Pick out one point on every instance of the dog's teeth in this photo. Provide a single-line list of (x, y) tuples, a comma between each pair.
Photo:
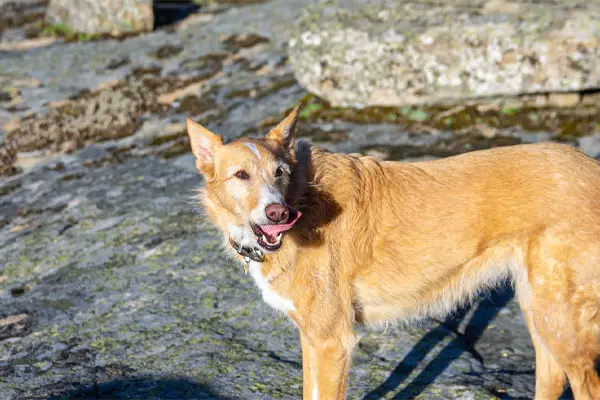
[(259, 253), (279, 236), (264, 238)]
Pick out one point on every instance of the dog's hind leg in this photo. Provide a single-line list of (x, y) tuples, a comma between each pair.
[(584, 380), (562, 305), (550, 378), (580, 359)]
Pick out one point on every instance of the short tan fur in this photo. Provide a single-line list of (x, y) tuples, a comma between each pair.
[(385, 241)]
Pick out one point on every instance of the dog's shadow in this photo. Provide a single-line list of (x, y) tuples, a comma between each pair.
[(177, 388), (484, 313)]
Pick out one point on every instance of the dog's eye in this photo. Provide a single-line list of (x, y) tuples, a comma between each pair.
[(242, 175), (278, 172)]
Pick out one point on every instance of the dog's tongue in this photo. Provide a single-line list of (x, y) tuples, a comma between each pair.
[(274, 230)]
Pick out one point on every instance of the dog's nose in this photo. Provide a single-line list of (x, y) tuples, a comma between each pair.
[(277, 213)]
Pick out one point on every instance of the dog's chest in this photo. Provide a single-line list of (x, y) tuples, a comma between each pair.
[(270, 296)]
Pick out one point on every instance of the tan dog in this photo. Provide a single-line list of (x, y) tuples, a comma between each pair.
[(378, 241)]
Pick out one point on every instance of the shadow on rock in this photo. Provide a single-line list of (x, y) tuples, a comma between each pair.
[(167, 12), (142, 388), (485, 313)]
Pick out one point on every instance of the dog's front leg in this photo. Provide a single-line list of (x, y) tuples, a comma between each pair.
[(308, 368), (325, 365)]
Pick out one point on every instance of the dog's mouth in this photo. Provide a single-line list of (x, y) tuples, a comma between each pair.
[(269, 236)]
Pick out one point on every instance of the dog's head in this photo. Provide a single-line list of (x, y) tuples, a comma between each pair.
[(246, 183)]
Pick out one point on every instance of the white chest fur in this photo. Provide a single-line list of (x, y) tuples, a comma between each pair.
[(270, 297)]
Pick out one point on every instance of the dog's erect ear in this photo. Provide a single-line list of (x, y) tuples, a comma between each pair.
[(285, 131), (203, 143)]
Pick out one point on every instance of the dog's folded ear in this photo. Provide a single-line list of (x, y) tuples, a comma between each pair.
[(203, 143), (285, 131)]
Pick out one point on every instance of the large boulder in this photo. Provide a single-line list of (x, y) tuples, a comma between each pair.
[(102, 16), (396, 52)]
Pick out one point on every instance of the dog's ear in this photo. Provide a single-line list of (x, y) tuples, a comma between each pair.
[(285, 131), (203, 143)]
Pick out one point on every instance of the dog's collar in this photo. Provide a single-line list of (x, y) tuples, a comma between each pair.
[(249, 253)]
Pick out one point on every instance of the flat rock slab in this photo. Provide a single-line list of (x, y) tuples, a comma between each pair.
[(397, 52), (102, 16)]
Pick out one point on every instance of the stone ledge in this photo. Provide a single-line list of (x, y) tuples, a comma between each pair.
[(104, 16), (419, 52)]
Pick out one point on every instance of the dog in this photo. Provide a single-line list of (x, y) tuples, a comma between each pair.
[(335, 240)]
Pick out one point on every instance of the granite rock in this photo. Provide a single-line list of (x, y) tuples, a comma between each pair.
[(102, 16), (397, 52)]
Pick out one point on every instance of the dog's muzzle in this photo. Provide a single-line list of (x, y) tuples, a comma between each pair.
[(249, 253)]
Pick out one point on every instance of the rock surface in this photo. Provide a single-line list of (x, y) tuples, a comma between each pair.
[(397, 52), (112, 284), (17, 13), (102, 16)]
